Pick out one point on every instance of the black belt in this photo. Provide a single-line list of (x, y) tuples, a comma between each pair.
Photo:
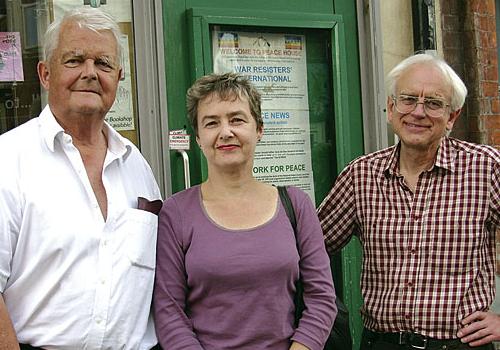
[(28, 347), (412, 340)]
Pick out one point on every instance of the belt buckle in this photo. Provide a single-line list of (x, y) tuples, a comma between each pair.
[(421, 337), (402, 338)]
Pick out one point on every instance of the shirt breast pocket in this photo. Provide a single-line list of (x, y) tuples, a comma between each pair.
[(383, 241), (141, 243), (458, 250)]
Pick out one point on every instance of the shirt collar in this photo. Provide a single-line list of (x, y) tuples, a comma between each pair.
[(52, 130), (391, 165), (445, 157), (117, 144)]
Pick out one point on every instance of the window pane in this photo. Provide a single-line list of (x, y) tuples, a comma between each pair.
[(19, 86)]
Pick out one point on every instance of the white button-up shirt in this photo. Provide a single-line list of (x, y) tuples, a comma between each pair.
[(71, 280)]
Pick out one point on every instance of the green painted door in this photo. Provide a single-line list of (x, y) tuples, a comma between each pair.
[(335, 132)]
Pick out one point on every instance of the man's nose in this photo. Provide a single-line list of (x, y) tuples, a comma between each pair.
[(419, 109), (88, 69)]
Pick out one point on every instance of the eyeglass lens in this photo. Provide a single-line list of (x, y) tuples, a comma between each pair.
[(432, 107)]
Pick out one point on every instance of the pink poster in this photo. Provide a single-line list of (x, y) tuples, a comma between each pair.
[(11, 58)]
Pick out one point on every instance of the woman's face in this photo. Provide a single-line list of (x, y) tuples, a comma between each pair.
[(227, 132)]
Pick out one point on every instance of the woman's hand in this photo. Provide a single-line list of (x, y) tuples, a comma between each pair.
[(298, 346)]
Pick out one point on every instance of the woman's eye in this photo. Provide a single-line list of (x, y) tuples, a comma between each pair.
[(237, 120), (210, 124)]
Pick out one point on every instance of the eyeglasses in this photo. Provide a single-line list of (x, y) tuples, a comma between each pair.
[(433, 107)]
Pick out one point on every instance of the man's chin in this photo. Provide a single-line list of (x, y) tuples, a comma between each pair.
[(91, 110)]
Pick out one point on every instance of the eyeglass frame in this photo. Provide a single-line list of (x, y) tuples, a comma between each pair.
[(445, 105)]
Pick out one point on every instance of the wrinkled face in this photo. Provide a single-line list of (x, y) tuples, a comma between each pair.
[(83, 74), (227, 133), (416, 129)]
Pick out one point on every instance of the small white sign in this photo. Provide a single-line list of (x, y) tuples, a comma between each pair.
[(178, 139)]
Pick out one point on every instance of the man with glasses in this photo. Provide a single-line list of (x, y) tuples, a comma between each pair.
[(426, 211)]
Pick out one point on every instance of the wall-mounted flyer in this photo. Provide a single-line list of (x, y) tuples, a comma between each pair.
[(276, 65), (11, 58), (121, 114)]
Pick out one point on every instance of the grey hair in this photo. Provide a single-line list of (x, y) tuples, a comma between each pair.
[(459, 91), (228, 87), (85, 17)]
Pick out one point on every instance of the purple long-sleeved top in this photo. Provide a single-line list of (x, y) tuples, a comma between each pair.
[(218, 289)]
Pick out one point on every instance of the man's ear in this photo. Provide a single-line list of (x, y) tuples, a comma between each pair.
[(389, 108), (453, 118), (43, 74)]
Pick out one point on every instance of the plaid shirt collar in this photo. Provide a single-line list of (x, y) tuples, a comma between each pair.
[(445, 158)]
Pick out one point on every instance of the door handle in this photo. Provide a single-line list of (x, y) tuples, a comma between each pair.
[(185, 161)]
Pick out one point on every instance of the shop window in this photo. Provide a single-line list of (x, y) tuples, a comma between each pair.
[(424, 26), (19, 86)]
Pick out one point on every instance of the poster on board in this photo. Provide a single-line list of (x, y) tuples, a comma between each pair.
[(121, 115), (119, 9), (11, 58), (276, 64)]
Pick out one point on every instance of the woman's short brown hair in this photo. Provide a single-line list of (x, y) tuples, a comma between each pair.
[(227, 86)]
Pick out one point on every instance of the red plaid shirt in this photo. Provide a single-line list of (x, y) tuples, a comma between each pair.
[(429, 256)]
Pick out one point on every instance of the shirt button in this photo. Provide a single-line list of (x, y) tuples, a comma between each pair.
[(407, 317), (413, 251), (410, 284), (416, 217)]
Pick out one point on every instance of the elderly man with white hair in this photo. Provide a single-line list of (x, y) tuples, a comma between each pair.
[(77, 217)]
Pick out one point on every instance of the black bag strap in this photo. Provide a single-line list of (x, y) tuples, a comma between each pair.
[(290, 212), (340, 335)]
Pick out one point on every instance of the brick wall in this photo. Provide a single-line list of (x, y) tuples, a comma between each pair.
[(498, 254), (470, 47)]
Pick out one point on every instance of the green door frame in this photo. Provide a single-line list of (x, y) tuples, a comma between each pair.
[(348, 136), (200, 19)]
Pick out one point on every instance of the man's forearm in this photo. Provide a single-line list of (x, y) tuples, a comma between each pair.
[(8, 339)]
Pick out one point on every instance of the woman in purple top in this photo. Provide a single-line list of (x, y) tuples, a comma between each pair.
[(227, 259)]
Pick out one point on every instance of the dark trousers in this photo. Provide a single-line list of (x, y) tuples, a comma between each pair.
[(373, 341)]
